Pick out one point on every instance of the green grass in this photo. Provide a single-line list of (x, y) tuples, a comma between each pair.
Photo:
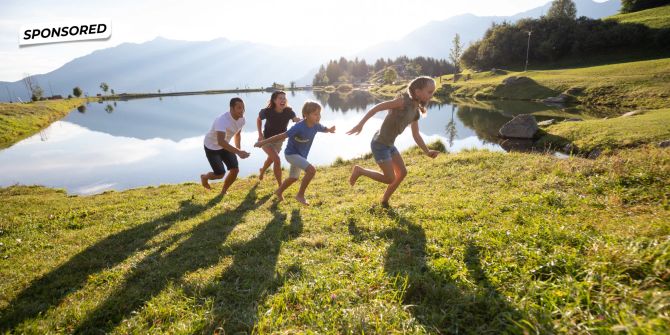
[(641, 84), (476, 242), (21, 120), (609, 134), (656, 18)]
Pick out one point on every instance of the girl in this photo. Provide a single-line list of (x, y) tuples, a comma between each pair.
[(277, 115), (300, 138), (403, 111)]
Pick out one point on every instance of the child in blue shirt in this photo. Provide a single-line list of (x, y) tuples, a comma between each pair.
[(300, 138)]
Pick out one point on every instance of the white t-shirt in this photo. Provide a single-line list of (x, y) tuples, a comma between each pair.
[(224, 123)]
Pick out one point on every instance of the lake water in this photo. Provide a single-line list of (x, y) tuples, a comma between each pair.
[(127, 144)]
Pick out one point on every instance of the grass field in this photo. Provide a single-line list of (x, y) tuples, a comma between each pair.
[(475, 242), (21, 120), (654, 17)]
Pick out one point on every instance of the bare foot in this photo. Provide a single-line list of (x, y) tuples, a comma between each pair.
[(355, 173), (205, 182), (302, 200), (385, 204), (261, 173), (280, 196)]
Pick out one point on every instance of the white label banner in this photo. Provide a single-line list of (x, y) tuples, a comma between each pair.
[(65, 31)]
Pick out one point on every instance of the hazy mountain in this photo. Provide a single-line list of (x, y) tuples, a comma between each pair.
[(434, 39), (171, 65)]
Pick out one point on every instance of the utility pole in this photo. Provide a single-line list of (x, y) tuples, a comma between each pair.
[(527, 51)]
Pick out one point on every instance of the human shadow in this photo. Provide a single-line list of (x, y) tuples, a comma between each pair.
[(253, 275), (167, 264), (52, 288), (441, 303)]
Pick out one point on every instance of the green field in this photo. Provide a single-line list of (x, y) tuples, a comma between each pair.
[(475, 242), (656, 18), (21, 120)]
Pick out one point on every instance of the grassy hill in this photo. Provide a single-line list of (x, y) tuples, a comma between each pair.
[(641, 84), (657, 18), (476, 242)]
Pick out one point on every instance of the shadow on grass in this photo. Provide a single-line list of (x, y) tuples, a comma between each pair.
[(441, 303), (235, 294), (51, 289)]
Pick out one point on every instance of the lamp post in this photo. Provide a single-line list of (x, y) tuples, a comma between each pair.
[(527, 51)]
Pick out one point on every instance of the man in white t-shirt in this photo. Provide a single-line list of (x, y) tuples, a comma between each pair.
[(218, 149)]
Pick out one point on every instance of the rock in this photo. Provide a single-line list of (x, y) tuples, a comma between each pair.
[(664, 144), (629, 114), (595, 153), (574, 90), (546, 123), (560, 99), (514, 80), (570, 148), (521, 126)]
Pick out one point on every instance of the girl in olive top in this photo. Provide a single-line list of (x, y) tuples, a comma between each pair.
[(277, 114), (404, 110)]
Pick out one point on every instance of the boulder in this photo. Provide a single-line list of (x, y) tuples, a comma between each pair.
[(521, 126), (514, 80), (546, 123), (560, 99)]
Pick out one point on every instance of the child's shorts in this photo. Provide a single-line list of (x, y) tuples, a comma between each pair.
[(276, 146), (382, 152), (217, 158), (297, 163)]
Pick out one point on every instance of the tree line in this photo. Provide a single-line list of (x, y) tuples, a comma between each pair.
[(358, 70)]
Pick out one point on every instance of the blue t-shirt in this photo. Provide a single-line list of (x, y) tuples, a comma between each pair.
[(300, 138)]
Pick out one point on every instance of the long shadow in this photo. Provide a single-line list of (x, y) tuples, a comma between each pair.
[(437, 300), (52, 288), (162, 267), (253, 276)]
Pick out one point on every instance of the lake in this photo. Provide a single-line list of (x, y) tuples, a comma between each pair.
[(127, 144)]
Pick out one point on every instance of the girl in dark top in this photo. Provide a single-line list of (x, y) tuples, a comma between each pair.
[(277, 114), (404, 110)]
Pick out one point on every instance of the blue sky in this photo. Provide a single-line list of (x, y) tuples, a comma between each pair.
[(343, 26)]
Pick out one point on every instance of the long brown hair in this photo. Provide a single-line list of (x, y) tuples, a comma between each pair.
[(271, 103), (417, 84)]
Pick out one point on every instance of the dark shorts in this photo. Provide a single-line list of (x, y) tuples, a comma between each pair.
[(217, 158), (382, 152)]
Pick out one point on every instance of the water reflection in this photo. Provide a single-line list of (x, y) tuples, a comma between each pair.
[(141, 142)]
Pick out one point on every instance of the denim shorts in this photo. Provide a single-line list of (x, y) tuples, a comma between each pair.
[(382, 152), (217, 158), (298, 163)]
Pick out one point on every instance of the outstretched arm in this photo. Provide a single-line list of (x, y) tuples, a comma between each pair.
[(419, 141), (391, 104), (276, 138)]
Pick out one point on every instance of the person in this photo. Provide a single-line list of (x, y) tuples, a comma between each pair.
[(300, 139), (276, 114), (218, 149), (404, 110)]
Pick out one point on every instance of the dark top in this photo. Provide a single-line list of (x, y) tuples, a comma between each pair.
[(276, 123)]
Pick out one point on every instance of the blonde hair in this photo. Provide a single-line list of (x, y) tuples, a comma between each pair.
[(310, 107), (417, 84)]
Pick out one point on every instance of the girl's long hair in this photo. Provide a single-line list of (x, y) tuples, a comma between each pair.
[(417, 84), (271, 103)]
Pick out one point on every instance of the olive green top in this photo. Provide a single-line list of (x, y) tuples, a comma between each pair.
[(397, 120)]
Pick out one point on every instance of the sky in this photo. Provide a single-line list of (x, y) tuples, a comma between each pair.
[(343, 26)]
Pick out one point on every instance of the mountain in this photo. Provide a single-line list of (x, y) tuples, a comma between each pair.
[(434, 39), (171, 65)]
